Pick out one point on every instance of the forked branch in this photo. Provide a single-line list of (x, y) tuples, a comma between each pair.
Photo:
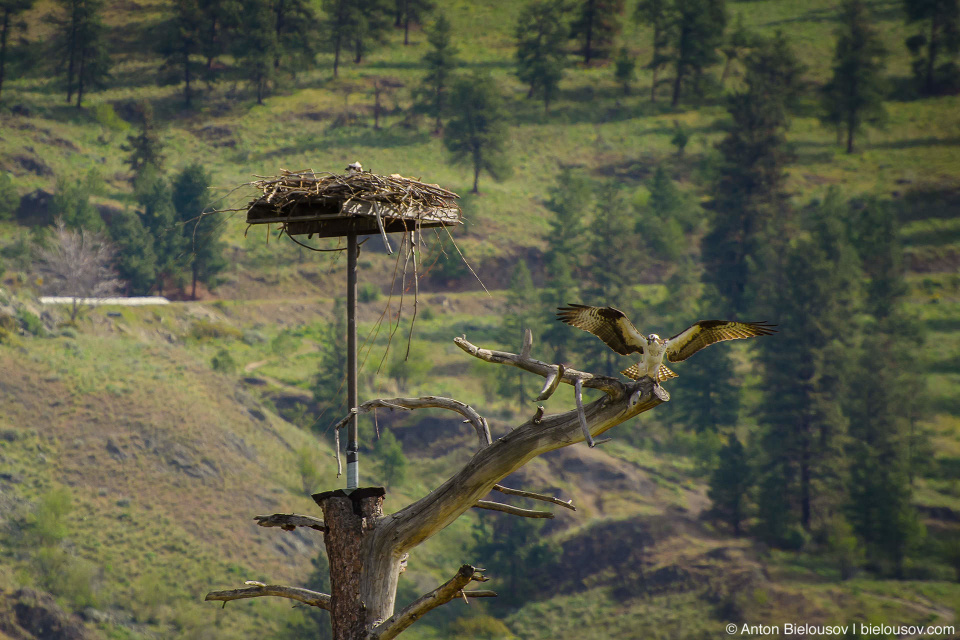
[(312, 598), (451, 589), (479, 423), (535, 496), (512, 510)]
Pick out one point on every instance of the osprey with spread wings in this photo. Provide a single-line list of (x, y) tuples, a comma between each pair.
[(612, 326)]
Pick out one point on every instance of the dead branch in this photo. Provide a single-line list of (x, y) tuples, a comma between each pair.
[(468, 412), (290, 521), (535, 496), (551, 383), (480, 593), (312, 598), (399, 532), (610, 386), (395, 624), (513, 511), (578, 396)]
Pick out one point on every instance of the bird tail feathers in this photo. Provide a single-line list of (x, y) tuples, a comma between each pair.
[(663, 373)]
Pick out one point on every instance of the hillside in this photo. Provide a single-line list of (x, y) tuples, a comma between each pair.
[(131, 465)]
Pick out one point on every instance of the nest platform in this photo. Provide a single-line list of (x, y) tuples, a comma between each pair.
[(362, 202)]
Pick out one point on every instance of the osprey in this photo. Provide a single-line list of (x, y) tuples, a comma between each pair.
[(612, 326), (354, 167)]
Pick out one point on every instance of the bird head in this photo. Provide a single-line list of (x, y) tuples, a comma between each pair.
[(354, 167), (654, 338)]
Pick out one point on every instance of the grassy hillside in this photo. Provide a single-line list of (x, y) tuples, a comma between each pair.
[(164, 461)]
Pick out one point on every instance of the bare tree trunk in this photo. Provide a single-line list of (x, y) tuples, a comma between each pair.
[(367, 550)]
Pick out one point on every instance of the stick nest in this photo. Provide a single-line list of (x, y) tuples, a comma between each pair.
[(393, 195)]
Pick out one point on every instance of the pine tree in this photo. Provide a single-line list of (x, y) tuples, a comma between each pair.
[(371, 23), (330, 382), (144, 147), (697, 34), (730, 483), (596, 25), (393, 463), (815, 293), (750, 202), (338, 22), (80, 43), (256, 47), (854, 95), (411, 11), (625, 70), (10, 22), (939, 23), (541, 57), (659, 15), (735, 45), (440, 61), (136, 261), (191, 197), (477, 133), (666, 219), (522, 312), (71, 203), (158, 217), (296, 34), (181, 41), (885, 397)]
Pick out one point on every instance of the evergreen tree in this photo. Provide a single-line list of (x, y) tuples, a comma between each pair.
[(219, 22), (540, 54), (295, 32), (181, 40), (477, 133), (144, 147), (666, 219), (730, 484), (80, 45), (136, 261), (330, 382), (885, 399), (256, 47), (522, 312), (735, 45), (440, 61), (10, 21), (625, 70), (371, 23), (191, 195), (613, 268), (659, 14), (158, 217), (559, 289), (9, 199), (411, 11), (854, 95), (814, 293), (939, 23), (335, 28), (697, 34), (71, 203), (596, 25), (750, 203), (393, 463)]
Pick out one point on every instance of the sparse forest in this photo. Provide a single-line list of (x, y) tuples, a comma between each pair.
[(789, 162)]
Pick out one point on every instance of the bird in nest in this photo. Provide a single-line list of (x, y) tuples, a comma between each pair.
[(613, 327), (354, 167)]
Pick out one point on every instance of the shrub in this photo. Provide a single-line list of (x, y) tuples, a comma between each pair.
[(206, 330), (223, 362), (31, 323), (368, 292)]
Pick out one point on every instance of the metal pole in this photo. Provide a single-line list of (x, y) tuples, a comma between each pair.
[(353, 464)]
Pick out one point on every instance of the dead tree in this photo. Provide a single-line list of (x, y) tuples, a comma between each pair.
[(367, 550)]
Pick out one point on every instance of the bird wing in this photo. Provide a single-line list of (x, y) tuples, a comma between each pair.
[(706, 332), (607, 323)]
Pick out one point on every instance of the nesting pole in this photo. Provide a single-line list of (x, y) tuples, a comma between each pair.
[(359, 202), (353, 462)]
